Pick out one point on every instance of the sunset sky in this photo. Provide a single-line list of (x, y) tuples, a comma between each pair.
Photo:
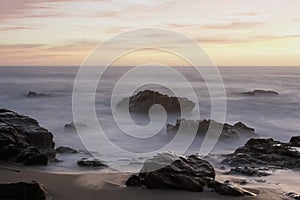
[(233, 32)]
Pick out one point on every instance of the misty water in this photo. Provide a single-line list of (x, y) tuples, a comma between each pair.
[(277, 117)]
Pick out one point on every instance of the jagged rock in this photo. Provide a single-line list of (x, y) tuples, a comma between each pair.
[(249, 171), (22, 138), (260, 93), (143, 100), (265, 152), (90, 162), (229, 188), (22, 191), (31, 94), (72, 126), (295, 141), (169, 171), (65, 150), (228, 131)]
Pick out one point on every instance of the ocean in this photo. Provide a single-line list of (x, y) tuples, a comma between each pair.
[(276, 117)]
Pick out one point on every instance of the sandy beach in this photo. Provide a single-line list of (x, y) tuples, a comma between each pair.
[(110, 185)]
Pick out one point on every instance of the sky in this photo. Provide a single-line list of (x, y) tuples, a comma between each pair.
[(232, 32)]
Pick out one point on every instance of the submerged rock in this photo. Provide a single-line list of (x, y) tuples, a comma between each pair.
[(143, 100), (237, 130), (260, 93), (169, 171), (72, 126), (229, 188), (90, 162), (23, 140), (31, 94), (265, 152), (22, 191), (66, 150)]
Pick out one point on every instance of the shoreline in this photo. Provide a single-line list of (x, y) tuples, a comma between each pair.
[(111, 185)]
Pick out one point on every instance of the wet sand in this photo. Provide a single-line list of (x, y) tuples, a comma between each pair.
[(104, 185)]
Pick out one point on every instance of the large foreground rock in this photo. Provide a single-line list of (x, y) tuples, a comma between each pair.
[(190, 173), (22, 191), (23, 140), (237, 130), (265, 152), (174, 172), (143, 100)]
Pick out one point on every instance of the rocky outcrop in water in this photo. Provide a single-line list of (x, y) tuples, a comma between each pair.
[(31, 94), (237, 130), (90, 162), (143, 100), (65, 150), (265, 152), (190, 173), (22, 191), (73, 126), (260, 93), (23, 140)]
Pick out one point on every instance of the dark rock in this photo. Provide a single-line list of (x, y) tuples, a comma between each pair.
[(65, 150), (143, 100), (229, 188), (293, 195), (23, 191), (228, 131), (295, 141), (31, 94), (32, 156), (169, 171), (19, 135), (72, 126), (249, 171), (133, 181), (260, 93), (90, 162), (265, 152)]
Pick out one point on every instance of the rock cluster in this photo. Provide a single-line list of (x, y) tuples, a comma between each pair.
[(23, 140), (237, 130), (191, 173), (266, 152), (144, 100), (250, 171)]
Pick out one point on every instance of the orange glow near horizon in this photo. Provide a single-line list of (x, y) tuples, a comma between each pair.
[(233, 33)]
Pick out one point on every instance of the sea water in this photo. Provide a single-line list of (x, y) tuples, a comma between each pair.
[(277, 117)]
